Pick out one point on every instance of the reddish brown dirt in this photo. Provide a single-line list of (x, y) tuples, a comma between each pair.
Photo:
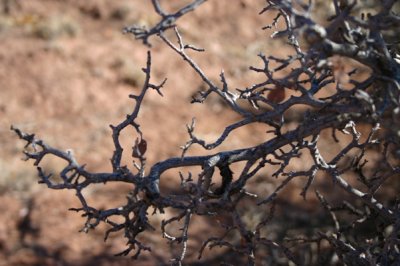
[(66, 71)]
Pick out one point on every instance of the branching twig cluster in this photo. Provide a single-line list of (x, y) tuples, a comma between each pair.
[(307, 74)]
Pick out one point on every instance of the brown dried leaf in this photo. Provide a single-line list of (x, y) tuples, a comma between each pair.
[(139, 149), (277, 95)]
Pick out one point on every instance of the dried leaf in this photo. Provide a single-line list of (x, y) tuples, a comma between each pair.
[(139, 149), (277, 95)]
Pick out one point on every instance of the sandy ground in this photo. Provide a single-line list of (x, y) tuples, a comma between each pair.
[(66, 71)]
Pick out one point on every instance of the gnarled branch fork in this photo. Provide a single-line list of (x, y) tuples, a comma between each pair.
[(307, 74)]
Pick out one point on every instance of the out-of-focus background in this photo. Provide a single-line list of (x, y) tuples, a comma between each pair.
[(66, 71)]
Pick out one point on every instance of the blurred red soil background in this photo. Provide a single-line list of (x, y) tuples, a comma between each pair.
[(66, 71)]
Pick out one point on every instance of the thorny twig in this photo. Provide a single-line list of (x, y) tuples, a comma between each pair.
[(305, 75)]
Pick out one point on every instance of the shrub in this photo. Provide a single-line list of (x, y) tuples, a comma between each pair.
[(361, 221)]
